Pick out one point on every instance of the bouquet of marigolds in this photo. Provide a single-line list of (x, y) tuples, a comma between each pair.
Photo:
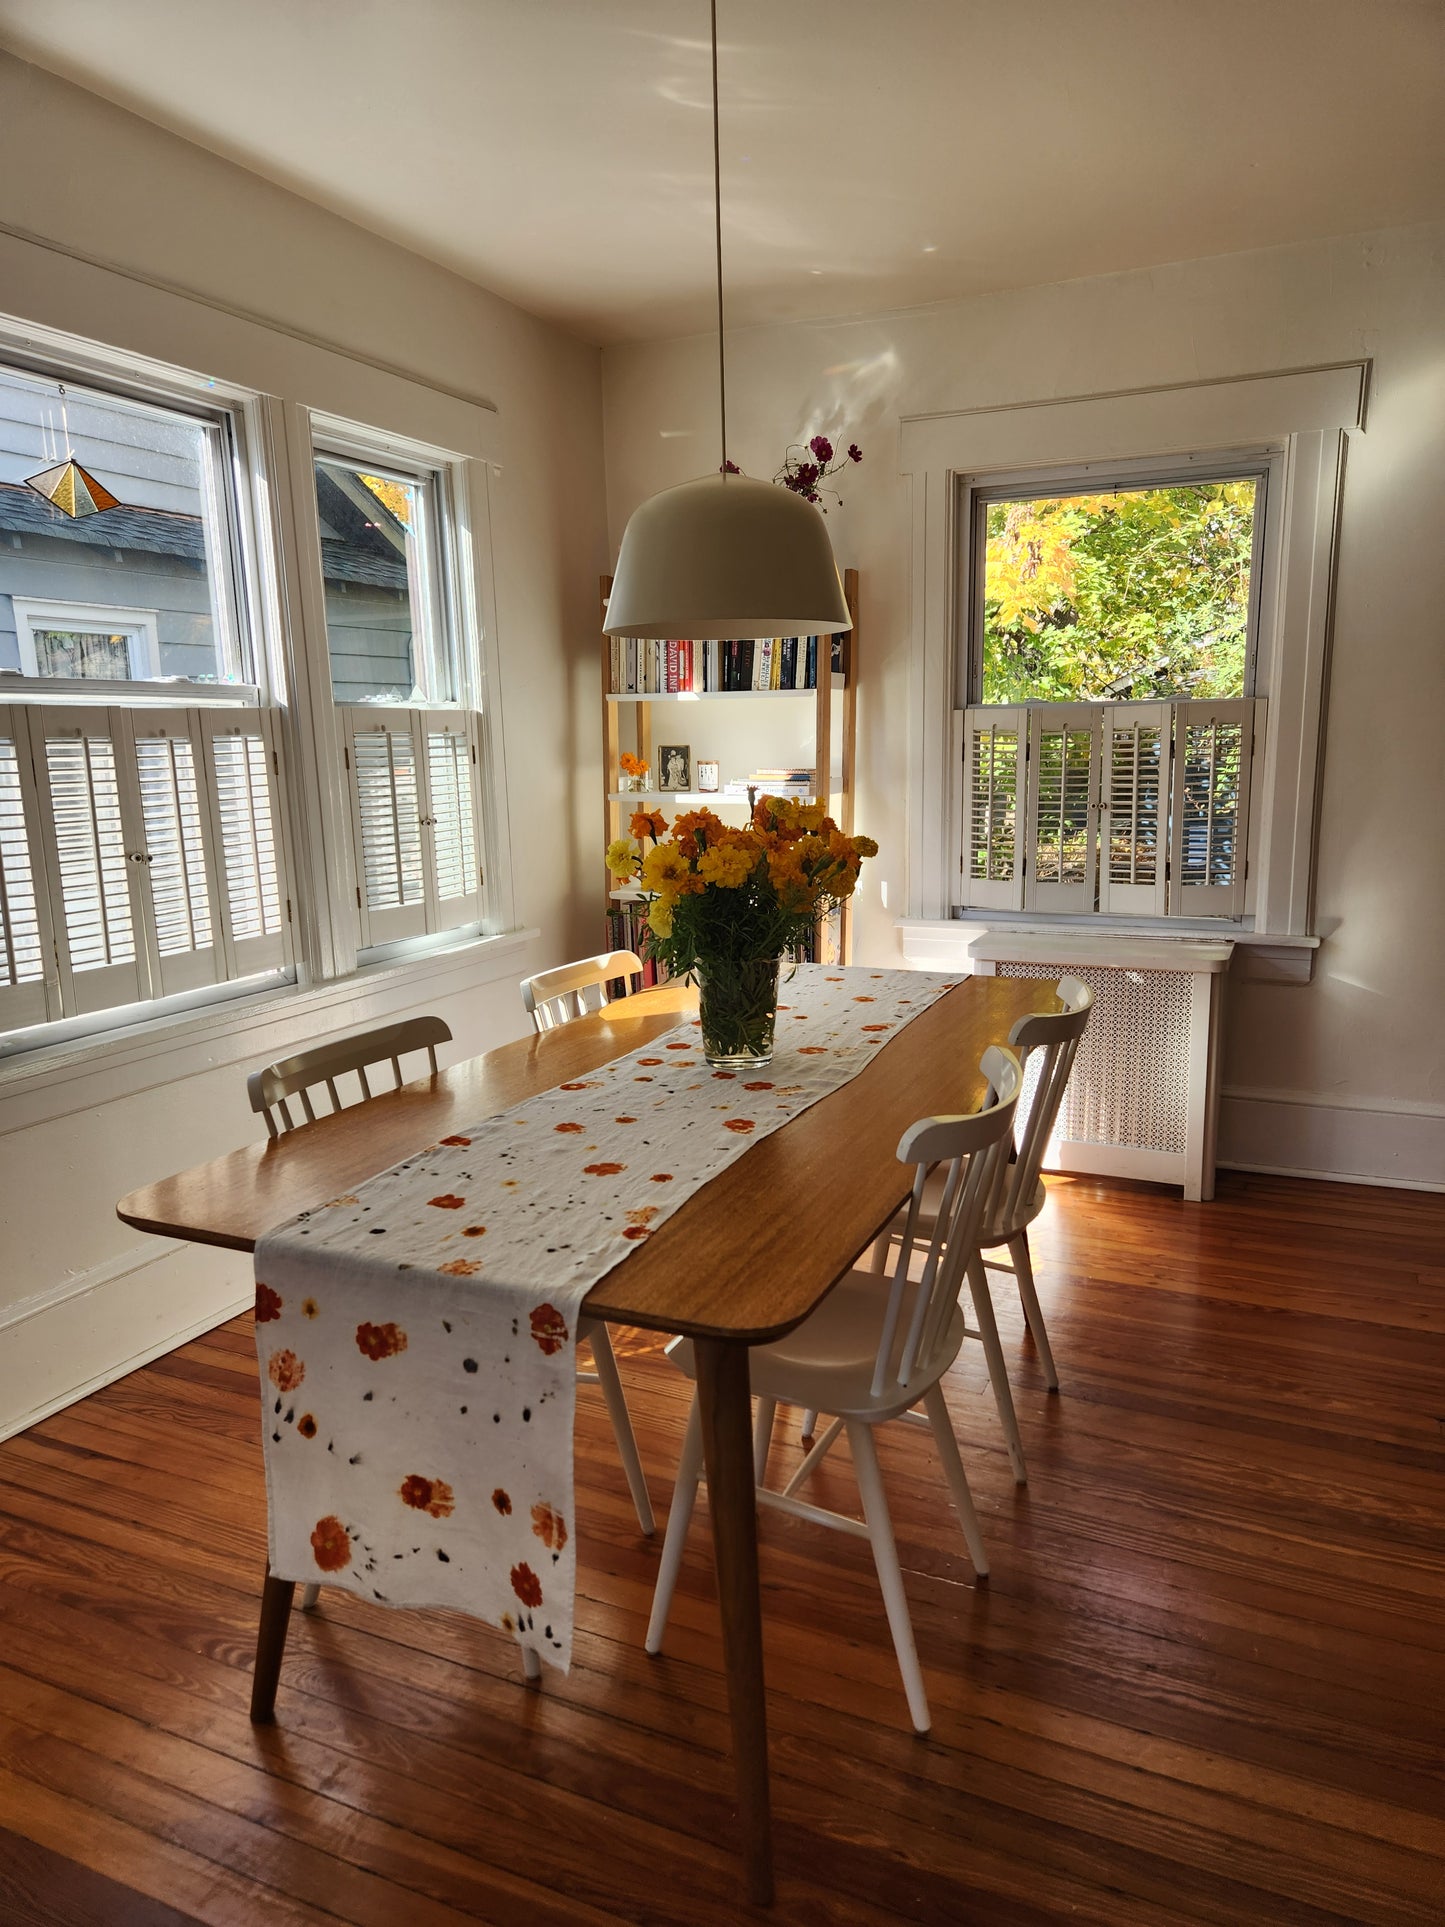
[(726, 903)]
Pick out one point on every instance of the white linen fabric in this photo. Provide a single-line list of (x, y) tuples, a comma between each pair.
[(416, 1337)]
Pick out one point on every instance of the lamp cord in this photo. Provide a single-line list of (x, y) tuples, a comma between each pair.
[(722, 377)]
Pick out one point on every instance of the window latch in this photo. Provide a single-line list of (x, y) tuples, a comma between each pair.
[(139, 856)]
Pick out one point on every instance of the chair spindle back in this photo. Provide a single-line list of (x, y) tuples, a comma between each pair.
[(268, 1089), (1057, 1038), (555, 997), (975, 1150)]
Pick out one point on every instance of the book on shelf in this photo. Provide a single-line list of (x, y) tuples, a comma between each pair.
[(644, 666)]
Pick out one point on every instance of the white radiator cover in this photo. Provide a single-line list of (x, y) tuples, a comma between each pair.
[(1143, 1099)]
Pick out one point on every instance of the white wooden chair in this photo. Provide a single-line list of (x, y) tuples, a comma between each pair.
[(868, 1355), (555, 997), (1021, 1198), (296, 1076)]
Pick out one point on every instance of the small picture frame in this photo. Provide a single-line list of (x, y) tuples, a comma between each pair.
[(709, 774), (674, 766)]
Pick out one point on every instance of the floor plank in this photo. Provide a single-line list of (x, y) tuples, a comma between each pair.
[(1202, 1684)]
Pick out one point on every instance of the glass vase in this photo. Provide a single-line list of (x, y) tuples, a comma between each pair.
[(738, 1010)]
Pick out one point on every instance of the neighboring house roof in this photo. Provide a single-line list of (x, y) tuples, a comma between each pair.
[(164, 532)]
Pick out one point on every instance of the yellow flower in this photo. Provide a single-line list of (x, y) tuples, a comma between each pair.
[(729, 865), (865, 846), (622, 855), (812, 816), (659, 916), (665, 868)]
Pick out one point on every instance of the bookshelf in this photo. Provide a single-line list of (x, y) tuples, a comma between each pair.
[(783, 726)]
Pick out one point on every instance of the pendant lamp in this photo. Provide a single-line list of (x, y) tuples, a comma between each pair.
[(725, 555)]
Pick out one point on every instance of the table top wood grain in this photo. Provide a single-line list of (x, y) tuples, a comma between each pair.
[(747, 1256)]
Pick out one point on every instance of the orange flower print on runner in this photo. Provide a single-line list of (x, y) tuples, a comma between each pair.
[(569, 1127), (331, 1544), (456, 1140), (526, 1585), (268, 1304), (727, 1076), (310, 1308), (603, 1170), (812, 1050), (674, 1047), (637, 1232), (380, 1341), (461, 1268), (285, 1371), (448, 1201), (548, 1527), (865, 1000), (584, 1086), (742, 1125), (878, 1027), (306, 1426), (624, 1120), (432, 1496), (474, 1230), (649, 1060), (661, 1177), (549, 1328), (502, 1501), (761, 1085)]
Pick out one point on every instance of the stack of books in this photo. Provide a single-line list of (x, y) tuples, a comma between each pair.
[(773, 782), (644, 667)]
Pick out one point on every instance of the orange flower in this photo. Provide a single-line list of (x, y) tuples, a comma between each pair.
[(306, 1426), (694, 830), (648, 823), (742, 1125), (285, 1371), (380, 1341), (526, 1585), (331, 1544), (631, 765), (268, 1305), (569, 1127), (549, 1328), (448, 1201), (548, 1527), (603, 1170), (433, 1496)]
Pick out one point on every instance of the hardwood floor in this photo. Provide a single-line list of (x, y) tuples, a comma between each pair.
[(1203, 1685)]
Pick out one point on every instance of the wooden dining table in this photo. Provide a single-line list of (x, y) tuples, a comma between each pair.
[(744, 1260)]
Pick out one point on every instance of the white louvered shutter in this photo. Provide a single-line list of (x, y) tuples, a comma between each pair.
[(178, 899), (384, 750), (29, 984), (94, 854), (993, 800), (1063, 778), (1134, 817), (242, 761), (1209, 832), (452, 828)]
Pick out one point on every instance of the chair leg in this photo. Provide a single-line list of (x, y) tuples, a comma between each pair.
[(808, 1428), (763, 1436), (621, 1424), (531, 1663), (679, 1517), (947, 1442), (1018, 1249), (276, 1596), (309, 1597), (890, 1578), (997, 1373)]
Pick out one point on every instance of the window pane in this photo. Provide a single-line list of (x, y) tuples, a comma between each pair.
[(375, 559), (1119, 597), (125, 591)]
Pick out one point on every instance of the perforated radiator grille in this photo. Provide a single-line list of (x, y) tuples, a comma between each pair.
[(1130, 1082)]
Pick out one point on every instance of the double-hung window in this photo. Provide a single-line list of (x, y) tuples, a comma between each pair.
[(140, 847), (1109, 659), (405, 686)]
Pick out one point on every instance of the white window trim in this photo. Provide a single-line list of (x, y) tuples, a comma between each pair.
[(137, 625), (1308, 414)]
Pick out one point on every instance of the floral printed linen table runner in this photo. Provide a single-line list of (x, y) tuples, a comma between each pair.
[(417, 1336)]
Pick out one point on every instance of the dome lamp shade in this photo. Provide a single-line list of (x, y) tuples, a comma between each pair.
[(726, 556)]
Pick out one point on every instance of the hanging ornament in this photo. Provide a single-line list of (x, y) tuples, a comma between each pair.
[(69, 487)]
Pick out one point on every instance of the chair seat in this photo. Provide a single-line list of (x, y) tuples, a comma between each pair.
[(995, 1235), (826, 1363)]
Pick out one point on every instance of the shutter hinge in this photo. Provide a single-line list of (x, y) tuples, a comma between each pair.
[(276, 761), (288, 909), (481, 876), (358, 896), (474, 753), (346, 752)]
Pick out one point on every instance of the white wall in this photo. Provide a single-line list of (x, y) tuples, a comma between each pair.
[(1353, 1062), (80, 1294)]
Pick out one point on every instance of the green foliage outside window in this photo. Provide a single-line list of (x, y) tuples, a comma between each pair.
[(1121, 597)]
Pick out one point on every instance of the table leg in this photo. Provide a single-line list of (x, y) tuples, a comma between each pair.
[(270, 1645), (723, 1397)]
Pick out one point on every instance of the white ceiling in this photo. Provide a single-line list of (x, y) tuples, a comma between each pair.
[(877, 154)]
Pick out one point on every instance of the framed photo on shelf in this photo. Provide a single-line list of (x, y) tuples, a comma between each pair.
[(709, 774), (674, 766)]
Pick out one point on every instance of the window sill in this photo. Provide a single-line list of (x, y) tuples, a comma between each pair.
[(946, 943), (54, 1081)]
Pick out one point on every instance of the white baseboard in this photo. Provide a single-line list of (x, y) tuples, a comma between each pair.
[(1350, 1140), (62, 1343)]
